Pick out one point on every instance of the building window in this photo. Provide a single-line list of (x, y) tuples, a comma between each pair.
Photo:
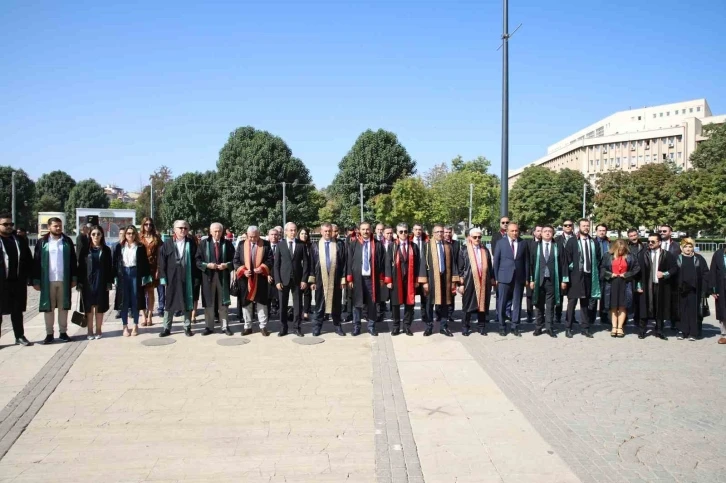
[(661, 114), (597, 163), (617, 162), (670, 156), (647, 158), (639, 118), (640, 143), (632, 162), (668, 113), (640, 159), (654, 116), (680, 155), (691, 109), (698, 109)]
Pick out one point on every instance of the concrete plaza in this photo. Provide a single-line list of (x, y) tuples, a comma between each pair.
[(361, 409)]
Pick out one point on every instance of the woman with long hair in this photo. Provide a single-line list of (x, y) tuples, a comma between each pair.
[(307, 296), (618, 268), (132, 275), (95, 277), (152, 242)]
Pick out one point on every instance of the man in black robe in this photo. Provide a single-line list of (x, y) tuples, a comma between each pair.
[(658, 269), (179, 274), (214, 259), (717, 274), (601, 237), (442, 278), (351, 234), (476, 280), (16, 264), (568, 231), (421, 240), (583, 271), (402, 272), (635, 246), (327, 279), (548, 269), (365, 276), (456, 247), (253, 263), (386, 242), (536, 237), (668, 244)]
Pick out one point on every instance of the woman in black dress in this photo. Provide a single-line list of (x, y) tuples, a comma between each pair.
[(307, 297), (693, 286), (95, 277), (618, 268)]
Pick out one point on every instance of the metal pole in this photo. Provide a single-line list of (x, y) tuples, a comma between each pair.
[(504, 211), (151, 191), (12, 182), (361, 202), (584, 197), (284, 204), (471, 200)]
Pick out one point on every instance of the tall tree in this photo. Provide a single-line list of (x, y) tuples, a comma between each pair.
[(377, 160), (569, 198), (57, 184), (25, 196), (86, 194), (190, 197), (409, 201), (533, 198), (450, 198), (711, 152), (654, 184), (615, 201), (48, 203), (255, 164)]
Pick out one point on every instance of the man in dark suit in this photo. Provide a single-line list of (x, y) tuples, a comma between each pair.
[(292, 270), (497, 235), (273, 238), (421, 240), (455, 248), (583, 257), (364, 273), (528, 292), (16, 266), (601, 237), (635, 246), (547, 268), (568, 231), (657, 268), (668, 244), (214, 259), (511, 269)]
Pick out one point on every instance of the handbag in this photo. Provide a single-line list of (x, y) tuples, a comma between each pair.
[(78, 317)]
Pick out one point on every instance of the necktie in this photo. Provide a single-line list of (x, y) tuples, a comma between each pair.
[(366, 261), (327, 256), (216, 252), (442, 259), (547, 252), (253, 255), (289, 244), (588, 262), (654, 267), (404, 253), (514, 252)]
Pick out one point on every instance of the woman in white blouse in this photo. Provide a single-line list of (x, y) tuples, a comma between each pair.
[(132, 274)]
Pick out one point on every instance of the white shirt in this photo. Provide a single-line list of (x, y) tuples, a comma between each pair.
[(287, 243), (654, 262), (55, 259), (7, 258), (666, 245), (516, 245), (477, 253), (180, 246), (128, 253), (585, 245)]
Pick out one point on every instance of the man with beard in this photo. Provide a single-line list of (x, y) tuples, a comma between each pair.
[(476, 280), (402, 272), (583, 255), (442, 279), (601, 232), (327, 279), (568, 231), (635, 247), (16, 267), (422, 242), (670, 245), (364, 276), (548, 266), (386, 242), (658, 268)]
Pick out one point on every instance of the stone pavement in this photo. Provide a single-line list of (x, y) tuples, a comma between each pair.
[(403, 409)]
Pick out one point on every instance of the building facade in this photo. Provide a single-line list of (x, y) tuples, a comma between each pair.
[(630, 139)]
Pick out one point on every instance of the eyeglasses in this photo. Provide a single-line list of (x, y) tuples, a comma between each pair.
[(402, 232), (94, 235), (664, 231), (475, 237), (8, 224), (131, 233), (147, 224), (504, 222), (567, 225), (182, 228), (652, 242)]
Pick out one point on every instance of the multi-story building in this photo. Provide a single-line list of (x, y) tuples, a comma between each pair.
[(630, 139)]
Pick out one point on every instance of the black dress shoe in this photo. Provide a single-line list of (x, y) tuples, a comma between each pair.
[(265, 332), (64, 337), (661, 336), (451, 320), (227, 330), (568, 334), (316, 332), (446, 332), (537, 332), (466, 332), (283, 332), (23, 341), (339, 330), (208, 331), (188, 332), (551, 333), (516, 333), (587, 334), (641, 335), (165, 333), (428, 332), (356, 331), (503, 332), (373, 332), (396, 332), (299, 333), (407, 331), (247, 332)]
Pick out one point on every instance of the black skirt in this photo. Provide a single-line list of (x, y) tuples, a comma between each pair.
[(617, 293)]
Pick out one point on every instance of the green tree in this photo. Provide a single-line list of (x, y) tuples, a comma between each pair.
[(57, 184), (378, 160), (699, 200), (654, 185), (190, 197), (120, 205), (534, 198), (408, 202), (569, 196), (86, 194), (450, 198), (48, 203), (255, 164), (615, 201), (25, 196), (711, 152)]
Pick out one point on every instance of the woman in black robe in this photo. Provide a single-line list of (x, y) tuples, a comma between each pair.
[(95, 277), (693, 286), (718, 282)]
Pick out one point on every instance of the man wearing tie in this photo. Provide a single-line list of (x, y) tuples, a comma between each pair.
[(273, 237), (214, 259), (386, 242), (669, 245), (456, 248), (422, 242), (548, 269), (253, 262), (402, 272), (441, 282), (365, 275), (658, 268), (568, 231), (476, 279), (583, 258), (327, 279), (292, 270), (511, 270), (601, 232)]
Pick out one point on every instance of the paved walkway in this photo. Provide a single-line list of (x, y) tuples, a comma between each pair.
[(403, 409)]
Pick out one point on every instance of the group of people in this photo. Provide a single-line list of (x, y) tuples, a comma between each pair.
[(362, 271)]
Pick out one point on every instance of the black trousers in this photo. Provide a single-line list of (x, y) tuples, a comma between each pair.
[(296, 304), (481, 320), (321, 310), (368, 304), (585, 311), (659, 320), (545, 304), (12, 292), (407, 309), (530, 307), (440, 311), (425, 310)]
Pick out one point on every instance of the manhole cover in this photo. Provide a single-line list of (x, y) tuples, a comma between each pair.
[(227, 342), (158, 341), (308, 340)]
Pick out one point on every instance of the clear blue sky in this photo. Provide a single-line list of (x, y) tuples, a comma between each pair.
[(112, 90)]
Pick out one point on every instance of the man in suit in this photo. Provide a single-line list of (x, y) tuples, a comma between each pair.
[(547, 279), (380, 228), (497, 235), (327, 279), (657, 268), (386, 242), (511, 270), (214, 259), (292, 270), (670, 245), (568, 231), (455, 247), (16, 265), (402, 272), (351, 234), (583, 258), (601, 237), (365, 276), (532, 246), (273, 238), (635, 246), (440, 280), (422, 242)]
